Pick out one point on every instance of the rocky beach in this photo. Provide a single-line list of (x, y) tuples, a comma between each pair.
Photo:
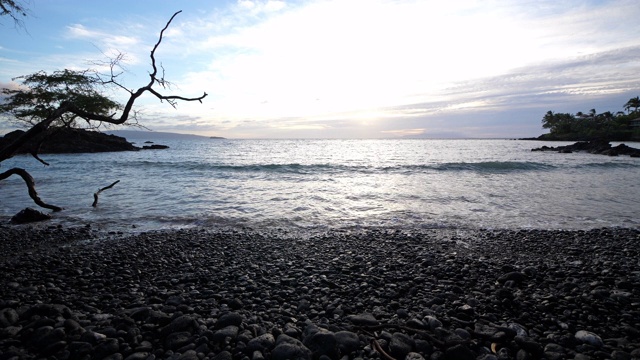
[(76, 293)]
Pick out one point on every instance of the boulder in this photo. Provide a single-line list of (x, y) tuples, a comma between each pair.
[(29, 215)]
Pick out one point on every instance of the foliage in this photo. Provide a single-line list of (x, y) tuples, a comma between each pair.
[(12, 9), (41, 94), (591, 126), (632, 103)]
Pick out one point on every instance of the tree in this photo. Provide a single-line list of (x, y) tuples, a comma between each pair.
[(65, 96), (558, 123), (13, 10), (42, 93), (632, 103)]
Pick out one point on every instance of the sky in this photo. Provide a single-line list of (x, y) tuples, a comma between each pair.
[(344, 68)]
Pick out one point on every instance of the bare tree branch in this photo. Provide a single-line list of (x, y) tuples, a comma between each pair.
[(31, 185), (95, 195)]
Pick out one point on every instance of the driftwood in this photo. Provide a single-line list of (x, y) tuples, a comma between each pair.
[(376, 346), (95, 195), (31, 185)]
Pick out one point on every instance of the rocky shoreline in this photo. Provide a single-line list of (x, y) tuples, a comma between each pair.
[(238, 294), (593, 147)]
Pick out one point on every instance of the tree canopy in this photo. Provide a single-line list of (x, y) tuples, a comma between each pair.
[(41, 94), (591, 126)]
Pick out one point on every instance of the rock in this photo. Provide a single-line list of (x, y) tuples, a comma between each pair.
[(363, 319), (261, 343), (587, 337), (514, 276), (137, 356), (401, 345), (52, 311), (290, 348), (229, 319), (459, 352), (189, 355), (69, 140), (347, 342), (106, 348), (529, 345), (79, 349), (230, 331), (223, 355), (8, 317), (320, 341), (601, 147), (413, 356), (29, 215), (155, 147), (177, 340)]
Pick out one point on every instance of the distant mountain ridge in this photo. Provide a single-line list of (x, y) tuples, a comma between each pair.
[(157, 135)]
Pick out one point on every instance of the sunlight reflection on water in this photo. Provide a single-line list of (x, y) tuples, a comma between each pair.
[(338, 183)]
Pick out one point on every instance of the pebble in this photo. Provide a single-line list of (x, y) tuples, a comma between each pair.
[(590, 338), (237, 294)]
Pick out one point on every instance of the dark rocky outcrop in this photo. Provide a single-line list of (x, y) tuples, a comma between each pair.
[(154, 147), (29, 215), (593, 147), (69, 140)]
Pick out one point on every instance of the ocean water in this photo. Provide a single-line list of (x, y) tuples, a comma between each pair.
[(317, 185)]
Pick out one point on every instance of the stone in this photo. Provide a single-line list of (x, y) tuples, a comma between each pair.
[(363, 319), (189, 355), (223, 355), (137, 356), (229, 319), (230, 331), (182, 323), (177, 340), (29, 215), (459, 352), (401, 345), (290, 348), (413, 356), (514, 276), (320, 341), (8, 317), (347, 342), (106, 348), (587, 337), (529, 345), (262, 343)]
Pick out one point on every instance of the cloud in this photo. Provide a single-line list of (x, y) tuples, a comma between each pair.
[(378, 67), (79, 31)]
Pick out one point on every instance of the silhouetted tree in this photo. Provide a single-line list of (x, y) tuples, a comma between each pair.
[(633, 103), (65, 96)]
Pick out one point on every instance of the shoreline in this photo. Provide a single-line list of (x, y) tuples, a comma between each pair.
[(239, 294)]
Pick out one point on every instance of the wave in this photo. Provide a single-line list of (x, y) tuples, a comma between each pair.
[(610, 165), (334, 169)]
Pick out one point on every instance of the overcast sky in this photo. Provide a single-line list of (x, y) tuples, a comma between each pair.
[(347, 68)]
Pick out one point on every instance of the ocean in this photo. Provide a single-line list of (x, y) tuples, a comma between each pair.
[(320, 185)]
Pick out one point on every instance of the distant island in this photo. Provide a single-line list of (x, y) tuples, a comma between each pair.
[(606, 126), (156, 135)]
